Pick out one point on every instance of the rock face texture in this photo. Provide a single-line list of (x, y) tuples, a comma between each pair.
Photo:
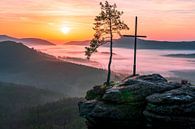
[(148, 101), (175, 108)]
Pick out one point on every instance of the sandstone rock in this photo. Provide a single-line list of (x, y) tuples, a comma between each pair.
[(104, 115), (172, 109), (122, 105), (154, 78), (137, 89), (86, 107)]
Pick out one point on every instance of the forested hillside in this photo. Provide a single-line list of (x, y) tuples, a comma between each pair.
[(62, 114)]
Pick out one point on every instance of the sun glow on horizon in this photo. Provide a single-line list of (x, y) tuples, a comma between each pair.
[(65, 29)]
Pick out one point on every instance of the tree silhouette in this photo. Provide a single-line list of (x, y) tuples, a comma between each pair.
[(107, 23)]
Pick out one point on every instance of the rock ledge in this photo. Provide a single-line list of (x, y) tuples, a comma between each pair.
[(147, 101)]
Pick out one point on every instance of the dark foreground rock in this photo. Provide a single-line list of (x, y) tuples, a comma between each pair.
[(172, 109), (138, 103)]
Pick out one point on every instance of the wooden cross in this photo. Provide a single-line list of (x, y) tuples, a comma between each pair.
[(135, 45)]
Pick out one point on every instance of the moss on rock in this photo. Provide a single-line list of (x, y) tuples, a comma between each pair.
[(96, 93)]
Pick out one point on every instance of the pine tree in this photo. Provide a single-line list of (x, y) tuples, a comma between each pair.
[(107, 23)]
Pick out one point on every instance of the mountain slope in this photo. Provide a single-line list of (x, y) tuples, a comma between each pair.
[(27, 41), (22, 65)]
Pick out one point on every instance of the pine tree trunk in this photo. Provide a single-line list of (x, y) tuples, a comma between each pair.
[(110, 60), (109, 65)]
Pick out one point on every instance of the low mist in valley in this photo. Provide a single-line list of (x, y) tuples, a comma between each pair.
[(122, 59)]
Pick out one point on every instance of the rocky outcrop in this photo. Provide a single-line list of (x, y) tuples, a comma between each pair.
[(135, 103), (172, 109)]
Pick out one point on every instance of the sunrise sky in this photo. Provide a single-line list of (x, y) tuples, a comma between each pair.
[(66, 20)]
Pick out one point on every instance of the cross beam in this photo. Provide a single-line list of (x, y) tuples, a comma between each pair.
[(134, 36), (135, 45)]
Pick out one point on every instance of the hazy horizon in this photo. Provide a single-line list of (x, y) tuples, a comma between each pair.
[(61, 43)]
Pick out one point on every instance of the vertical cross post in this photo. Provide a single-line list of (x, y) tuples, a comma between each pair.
[(135, 48), (135, 45)]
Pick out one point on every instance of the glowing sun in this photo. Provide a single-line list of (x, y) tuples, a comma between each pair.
[(65, 29)]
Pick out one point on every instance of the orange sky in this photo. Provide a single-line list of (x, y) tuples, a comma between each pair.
[(158, 19)]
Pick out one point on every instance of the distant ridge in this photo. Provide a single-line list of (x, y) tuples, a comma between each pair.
[(6, 37), (152, 44), (26, 41), (144, 44), (36, 41), (182, 55), (85, 42)]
